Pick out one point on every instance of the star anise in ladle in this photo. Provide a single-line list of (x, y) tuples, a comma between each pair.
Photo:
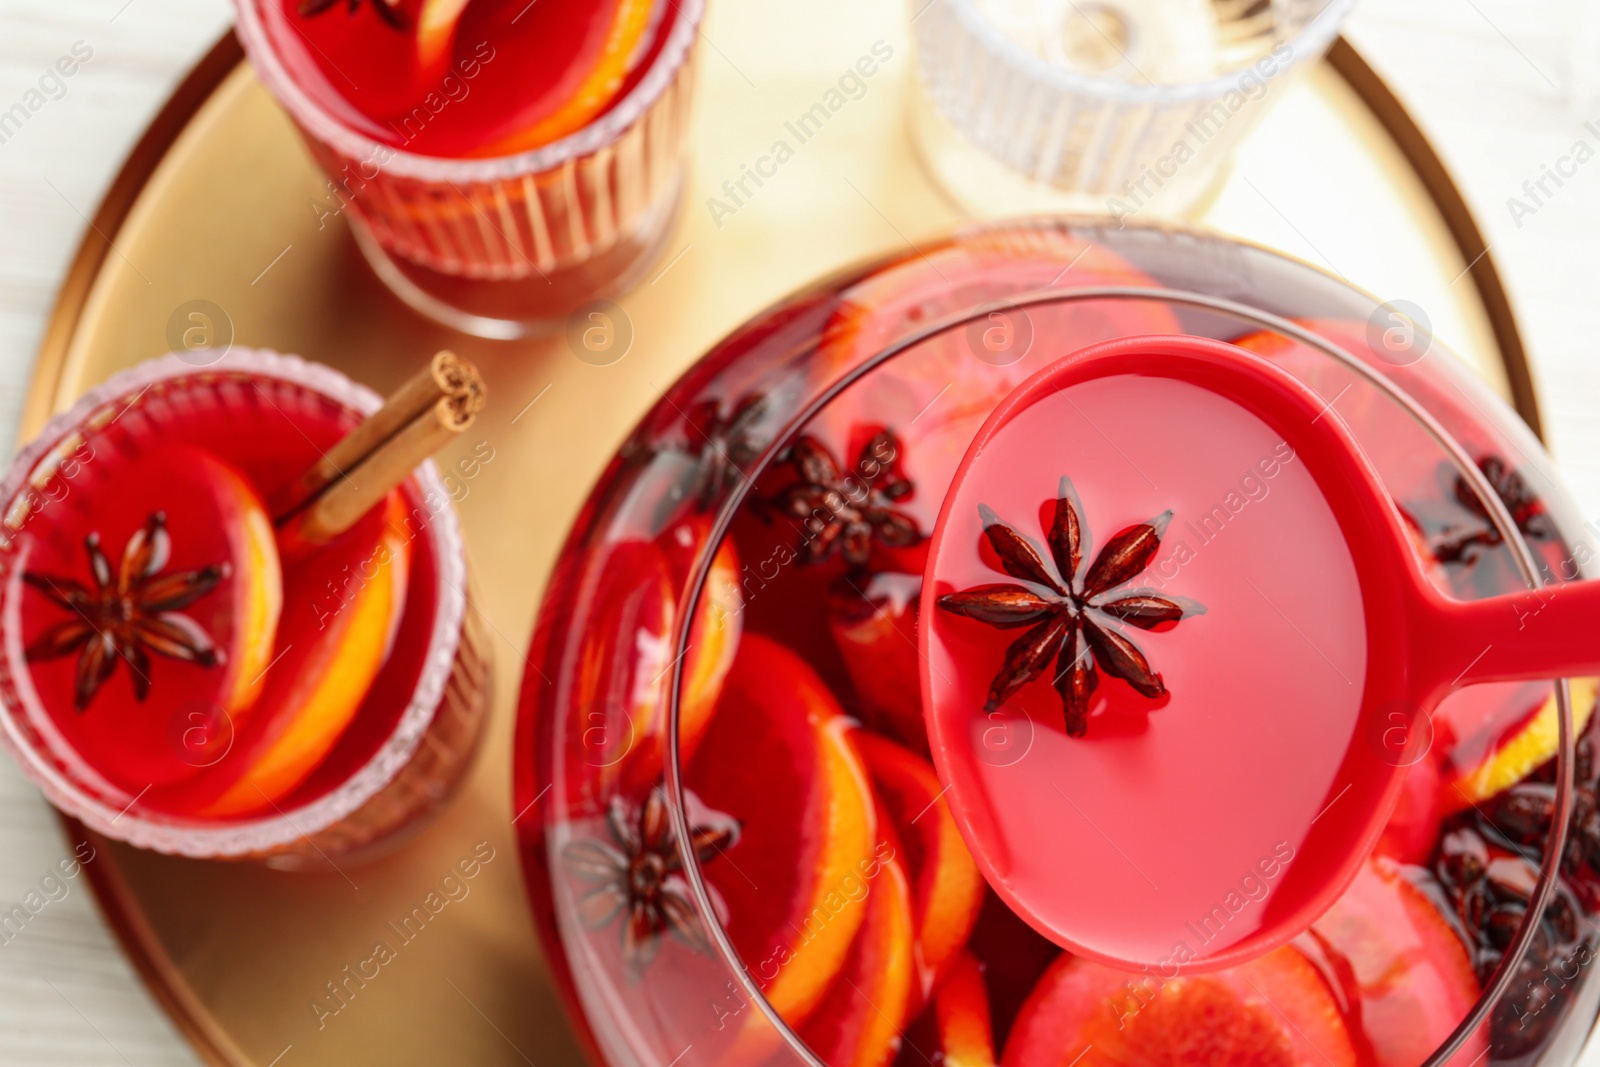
[(848, 510), (637, 875), (1073, 618), (127, 615)]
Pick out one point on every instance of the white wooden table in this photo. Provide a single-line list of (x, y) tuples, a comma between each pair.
[(1492, 81)]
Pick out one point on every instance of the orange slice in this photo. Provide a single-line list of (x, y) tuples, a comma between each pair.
[(961, 1013), (713, 643), (436, 35), (778, 758), (345, 600), (858, 1023), (947, 889), (1516, 753), (625, 658), (597, 88)]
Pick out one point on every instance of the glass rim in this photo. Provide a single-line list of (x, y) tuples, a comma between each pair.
[(285, 827), (1308, 43), (608, 127), (676, 788)]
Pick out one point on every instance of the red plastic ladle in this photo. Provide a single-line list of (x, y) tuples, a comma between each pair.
[(1215, 821)]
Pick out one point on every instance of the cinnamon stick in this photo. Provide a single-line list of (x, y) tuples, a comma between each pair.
[(421, 417)]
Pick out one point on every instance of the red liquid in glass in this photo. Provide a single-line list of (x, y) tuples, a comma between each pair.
[(1379, 980), (174, 750), (1239, 776), (510, 66)]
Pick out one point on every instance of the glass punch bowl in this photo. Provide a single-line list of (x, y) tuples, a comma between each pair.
[(739, 854)]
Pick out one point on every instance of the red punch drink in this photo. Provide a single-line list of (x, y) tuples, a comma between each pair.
[(749, 843), (504, 162), (177, 673)]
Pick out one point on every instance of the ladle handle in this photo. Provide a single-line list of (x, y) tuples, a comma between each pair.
[(1534, 635)]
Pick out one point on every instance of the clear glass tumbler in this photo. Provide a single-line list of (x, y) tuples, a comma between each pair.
[(507, 246), (1119, 106)]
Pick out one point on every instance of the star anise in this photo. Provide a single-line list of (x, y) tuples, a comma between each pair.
[(387, 10), (1464, 542), (722, 445), (847, 511), (127, 615), (1071, 615), (637, 875)]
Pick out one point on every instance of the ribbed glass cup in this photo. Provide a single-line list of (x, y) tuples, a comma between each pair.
[(409, 773), (508, 246), (1113, 106)]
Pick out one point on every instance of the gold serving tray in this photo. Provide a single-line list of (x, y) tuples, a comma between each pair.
[(219, 202)]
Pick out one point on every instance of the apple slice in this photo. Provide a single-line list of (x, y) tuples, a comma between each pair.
[(1413, 826), (961, 1013), (858, 1023), (1275, 1011), (873, 620), (1399, 958), (331, 644)]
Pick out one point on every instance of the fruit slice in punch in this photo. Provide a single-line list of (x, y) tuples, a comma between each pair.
[(436, 34), (1275, 1011), (1401, 961), (1492, 751), (858, 1023), (947, 889), (611, 34), (778, 758), (345, 600), (624, 659), (961, 1010), (873, 619)]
